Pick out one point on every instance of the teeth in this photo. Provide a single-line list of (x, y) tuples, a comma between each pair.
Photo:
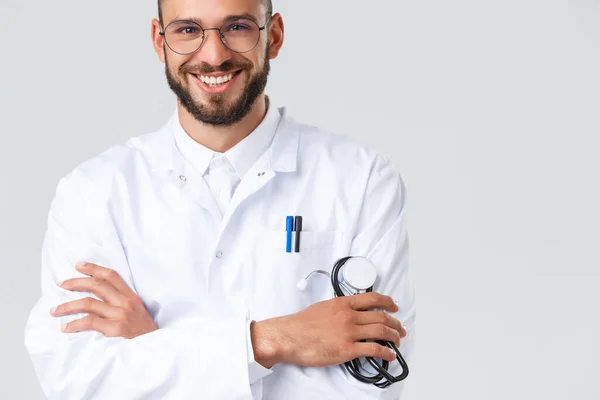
[(213, 81)]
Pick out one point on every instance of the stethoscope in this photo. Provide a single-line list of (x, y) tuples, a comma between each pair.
[(358, 276)]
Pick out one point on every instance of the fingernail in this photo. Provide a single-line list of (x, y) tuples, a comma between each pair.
[(52, 310), (63, 328), (60, 283), (405, 330), (80, 264)]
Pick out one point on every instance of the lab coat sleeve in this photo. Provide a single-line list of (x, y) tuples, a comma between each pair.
[(204, 356), (382, 237)]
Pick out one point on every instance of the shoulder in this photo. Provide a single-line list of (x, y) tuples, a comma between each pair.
[(351, 158), (94, 179)]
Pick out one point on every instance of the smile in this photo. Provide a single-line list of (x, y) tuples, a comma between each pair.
[(216, 80)]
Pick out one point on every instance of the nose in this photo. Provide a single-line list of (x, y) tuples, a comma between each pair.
[(213, 51)]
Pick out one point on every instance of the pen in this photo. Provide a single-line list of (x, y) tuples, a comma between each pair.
[(298, 229), (289, 226)]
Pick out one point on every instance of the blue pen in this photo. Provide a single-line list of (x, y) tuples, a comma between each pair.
[(289, 227)]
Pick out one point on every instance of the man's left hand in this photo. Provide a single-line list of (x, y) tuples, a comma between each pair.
[(121, 313)]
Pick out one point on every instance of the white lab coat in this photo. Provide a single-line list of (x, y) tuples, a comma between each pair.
[(140, 209)]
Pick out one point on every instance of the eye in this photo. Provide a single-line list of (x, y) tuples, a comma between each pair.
[(237, 27), (189, 30)]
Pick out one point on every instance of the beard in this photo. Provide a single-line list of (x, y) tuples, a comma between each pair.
[(219, 112)]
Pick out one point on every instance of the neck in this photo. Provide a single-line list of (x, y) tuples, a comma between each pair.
[(222, 138)]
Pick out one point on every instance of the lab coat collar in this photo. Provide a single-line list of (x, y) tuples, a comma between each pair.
[(196, 154), (281, 156), (242, 156)]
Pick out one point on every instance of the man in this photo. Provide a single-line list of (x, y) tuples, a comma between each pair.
[(164, 269)]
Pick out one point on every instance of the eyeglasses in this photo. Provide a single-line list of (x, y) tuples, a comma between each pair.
[(239, 35)]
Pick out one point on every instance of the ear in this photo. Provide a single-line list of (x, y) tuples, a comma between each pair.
[(158, 40), (276, 34)]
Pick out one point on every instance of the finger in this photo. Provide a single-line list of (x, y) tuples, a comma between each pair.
[(380, 317), (91, 323), (87, 305), (101, 288), (108, 275), (368, 301), (372, 349), (377, 332)]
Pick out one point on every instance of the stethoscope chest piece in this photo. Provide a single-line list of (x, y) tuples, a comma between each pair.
[(359, 273)]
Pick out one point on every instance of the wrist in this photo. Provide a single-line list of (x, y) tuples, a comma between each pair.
[(266, 343)]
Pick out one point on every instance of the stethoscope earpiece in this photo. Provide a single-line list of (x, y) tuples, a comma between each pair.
[(302, 283)]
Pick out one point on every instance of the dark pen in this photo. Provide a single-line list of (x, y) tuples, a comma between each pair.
[(298, 229)]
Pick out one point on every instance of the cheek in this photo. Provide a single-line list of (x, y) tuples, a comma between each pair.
[(174, 63), (257, 64)]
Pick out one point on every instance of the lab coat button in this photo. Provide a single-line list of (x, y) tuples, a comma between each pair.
[(219, 254), (183, 178)]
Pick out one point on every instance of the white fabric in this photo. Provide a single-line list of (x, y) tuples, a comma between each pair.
[(223, 178), (141, 209)]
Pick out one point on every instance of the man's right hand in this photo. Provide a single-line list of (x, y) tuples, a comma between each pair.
[(329, 332)]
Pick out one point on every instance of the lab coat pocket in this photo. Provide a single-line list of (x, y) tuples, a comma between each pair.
[(279, 272)]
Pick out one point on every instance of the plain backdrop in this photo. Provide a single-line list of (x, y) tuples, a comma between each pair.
[(490, 110)]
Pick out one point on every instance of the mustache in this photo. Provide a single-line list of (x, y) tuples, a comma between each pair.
[(205, 68)]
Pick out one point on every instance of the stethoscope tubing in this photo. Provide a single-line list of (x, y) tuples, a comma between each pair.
[(354, 366)]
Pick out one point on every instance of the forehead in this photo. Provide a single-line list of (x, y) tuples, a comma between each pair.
[(211, 11)]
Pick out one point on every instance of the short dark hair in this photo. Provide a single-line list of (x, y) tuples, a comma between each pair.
[(268, 4)]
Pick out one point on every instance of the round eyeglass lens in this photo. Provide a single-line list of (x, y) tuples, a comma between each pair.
[(240, 35), (184, 37)]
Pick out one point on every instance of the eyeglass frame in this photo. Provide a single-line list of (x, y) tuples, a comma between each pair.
[(260, 28)]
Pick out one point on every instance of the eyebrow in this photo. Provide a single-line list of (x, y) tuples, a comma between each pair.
[(226, 19)]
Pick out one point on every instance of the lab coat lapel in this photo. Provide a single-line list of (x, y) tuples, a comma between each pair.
[(255, 179), (168, 163), (281, 157), (199, 191)]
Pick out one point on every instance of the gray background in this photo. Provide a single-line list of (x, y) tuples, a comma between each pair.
[(488, 108)]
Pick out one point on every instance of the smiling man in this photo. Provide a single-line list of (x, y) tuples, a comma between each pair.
[(165, 268)]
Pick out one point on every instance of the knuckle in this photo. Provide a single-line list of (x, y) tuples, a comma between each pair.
[(374, 349), (383, 330), (137, 301), (385, 318), (122, 314), (87, 322), (110, 273), (346, 301), (130, 304), (96, 280), (346, 316), (88, 302)]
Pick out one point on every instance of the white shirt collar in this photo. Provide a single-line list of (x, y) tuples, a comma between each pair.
[(242, 156)]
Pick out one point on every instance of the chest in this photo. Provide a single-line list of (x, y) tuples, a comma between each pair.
[(184, 254)]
